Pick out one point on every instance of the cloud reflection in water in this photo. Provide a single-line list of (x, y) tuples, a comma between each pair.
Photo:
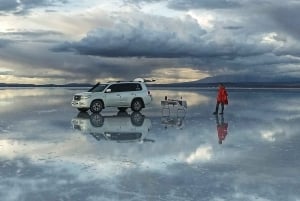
[(42, 157)]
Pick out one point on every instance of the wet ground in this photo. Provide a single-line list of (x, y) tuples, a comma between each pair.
[(49, 151)]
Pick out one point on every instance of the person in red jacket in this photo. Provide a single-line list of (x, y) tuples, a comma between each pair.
[(222, 99)]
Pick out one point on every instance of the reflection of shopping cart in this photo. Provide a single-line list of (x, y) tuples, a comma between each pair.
[(173, 112), (177, 105)]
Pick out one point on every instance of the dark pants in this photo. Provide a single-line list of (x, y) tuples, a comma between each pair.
[(217, 107)]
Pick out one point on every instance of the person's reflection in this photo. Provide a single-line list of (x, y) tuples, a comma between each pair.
[(222, 128)]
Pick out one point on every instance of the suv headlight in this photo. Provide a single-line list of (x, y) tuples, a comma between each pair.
[(86, 96)]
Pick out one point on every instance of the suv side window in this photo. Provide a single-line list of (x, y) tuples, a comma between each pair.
[(125, 87), (115, 88), (134, 87), (138, 87)]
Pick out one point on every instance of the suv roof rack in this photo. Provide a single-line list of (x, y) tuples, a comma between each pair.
[(135, 80), (118, 81), (152, 80), (143, 80)]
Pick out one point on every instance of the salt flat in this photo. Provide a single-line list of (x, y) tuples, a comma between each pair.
[(49, 151)]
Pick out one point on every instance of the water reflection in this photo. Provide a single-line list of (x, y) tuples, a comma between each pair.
[(173, 119), (192, 97), (42, 156), (32, 99), (173, 112), (122, 127), (222, 128)]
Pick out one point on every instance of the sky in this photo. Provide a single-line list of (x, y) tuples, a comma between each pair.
[(67, 41)]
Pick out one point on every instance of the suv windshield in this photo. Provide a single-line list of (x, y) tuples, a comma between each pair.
[(98, 88)]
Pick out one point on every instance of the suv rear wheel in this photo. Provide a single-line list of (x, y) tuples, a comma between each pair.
[(96, 106), (136, 105)]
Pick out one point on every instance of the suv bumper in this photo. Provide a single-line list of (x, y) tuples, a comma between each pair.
[(80, 104)]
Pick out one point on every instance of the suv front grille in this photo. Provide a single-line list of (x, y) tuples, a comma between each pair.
[(123, 135), (77, 127), (77, 98)]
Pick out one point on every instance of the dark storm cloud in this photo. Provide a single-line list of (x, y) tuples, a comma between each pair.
[(193, 4), (230, 49), (24, 6), (287, 17), (206, 4), (76, 69), (34, 62), (83, 69), (255, 62), (141, 1), (28, 4), (8, 5), (148, 37), (134, 43), (233, 27), (159, 37), (33, 33)]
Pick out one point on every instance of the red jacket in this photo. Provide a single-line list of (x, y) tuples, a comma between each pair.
[(222, 95), (222, 131)]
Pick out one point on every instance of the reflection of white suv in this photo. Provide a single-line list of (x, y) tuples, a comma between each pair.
[(120, 128), (133, 94)]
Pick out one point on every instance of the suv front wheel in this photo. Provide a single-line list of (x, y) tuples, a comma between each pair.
[(96, 106), (137, 119), (136, 105)]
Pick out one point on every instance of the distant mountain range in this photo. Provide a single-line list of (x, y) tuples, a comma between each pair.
[(246, 81), (234, 85), (250, 78), (206, 83), (46, 85)]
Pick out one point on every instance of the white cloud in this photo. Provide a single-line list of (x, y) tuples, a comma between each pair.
[(205, 19), (175, 75), (268, 135), (202, 154)]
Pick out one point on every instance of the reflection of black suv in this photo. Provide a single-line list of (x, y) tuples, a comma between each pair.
[(121, 127)]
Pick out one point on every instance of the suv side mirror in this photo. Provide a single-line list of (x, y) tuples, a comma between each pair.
[(108, 90)]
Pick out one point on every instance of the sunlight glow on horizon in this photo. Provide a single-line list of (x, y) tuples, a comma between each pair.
[(177, 75)]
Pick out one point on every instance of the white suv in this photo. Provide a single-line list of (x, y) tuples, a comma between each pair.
[(120, 94)]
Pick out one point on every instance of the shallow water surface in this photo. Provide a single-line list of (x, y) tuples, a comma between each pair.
[(49, 151)]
